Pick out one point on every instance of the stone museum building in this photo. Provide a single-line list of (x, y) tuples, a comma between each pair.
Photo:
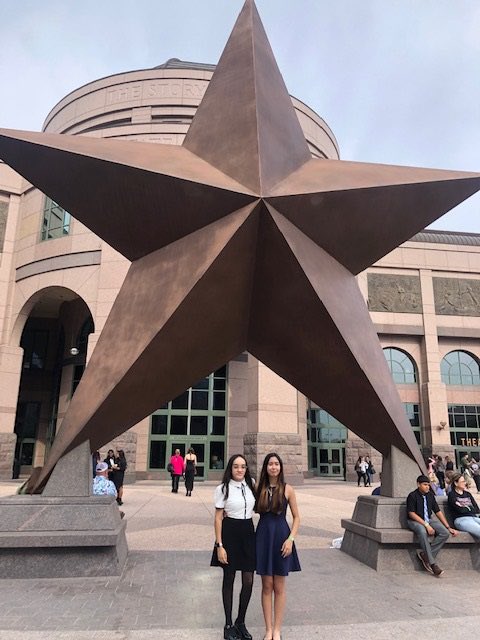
[(58, 282)]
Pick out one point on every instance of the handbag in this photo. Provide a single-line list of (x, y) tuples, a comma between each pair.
[(170, 467), (372, 471)]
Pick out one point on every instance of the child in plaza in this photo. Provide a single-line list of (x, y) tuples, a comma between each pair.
[(276, 553)]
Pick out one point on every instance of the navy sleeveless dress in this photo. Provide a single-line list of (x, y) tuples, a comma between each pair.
[(272, 531)]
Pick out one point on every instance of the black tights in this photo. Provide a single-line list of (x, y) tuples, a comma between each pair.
[(227, 594)]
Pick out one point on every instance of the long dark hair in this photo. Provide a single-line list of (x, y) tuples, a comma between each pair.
[(264, 502), (227, 475)]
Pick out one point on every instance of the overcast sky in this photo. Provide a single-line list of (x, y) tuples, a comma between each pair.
[(398, 81)]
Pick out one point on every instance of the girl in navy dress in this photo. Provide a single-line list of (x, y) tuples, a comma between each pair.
[(235, 541), (276, 554)]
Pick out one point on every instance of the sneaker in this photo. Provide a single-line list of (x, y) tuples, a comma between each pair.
[(424, 560), (437, 571)]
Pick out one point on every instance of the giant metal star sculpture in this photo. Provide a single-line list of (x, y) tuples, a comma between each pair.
[(239, 240)]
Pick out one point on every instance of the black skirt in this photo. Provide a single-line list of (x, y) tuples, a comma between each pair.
[(238, 538)]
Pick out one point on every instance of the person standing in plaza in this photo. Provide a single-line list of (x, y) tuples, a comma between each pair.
[(190, 470), (475, 469), (177, 469), (361, 469), (118, 474), (110, 461), (431, 534), (370, 471), (440, 471), (449, 466), (235, 541), (276, 555), (463, 507)]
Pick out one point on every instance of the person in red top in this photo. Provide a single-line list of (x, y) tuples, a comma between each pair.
[(177, 463)]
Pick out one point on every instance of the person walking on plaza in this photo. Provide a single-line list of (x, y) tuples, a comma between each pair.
[(463, 507), (361, 469), (190, 470), (431, 534), (118, 474), (276, 555), (177, 469), (235, 541)]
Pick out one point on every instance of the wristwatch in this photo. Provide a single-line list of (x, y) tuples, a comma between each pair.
[(218, 544)]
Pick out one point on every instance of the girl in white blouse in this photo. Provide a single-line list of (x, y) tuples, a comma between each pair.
[(235, 541)]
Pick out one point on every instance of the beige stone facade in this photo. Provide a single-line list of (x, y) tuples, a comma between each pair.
[(58, 282)]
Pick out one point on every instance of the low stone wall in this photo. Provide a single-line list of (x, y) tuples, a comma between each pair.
[(378, 536)]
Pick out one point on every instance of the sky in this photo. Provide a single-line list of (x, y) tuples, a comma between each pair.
[(398, 81)]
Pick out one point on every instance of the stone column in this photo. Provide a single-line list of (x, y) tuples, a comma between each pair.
[(436, 437), (10, 372), (272, 421)]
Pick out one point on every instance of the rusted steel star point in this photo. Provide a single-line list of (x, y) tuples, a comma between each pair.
[(239, 240)]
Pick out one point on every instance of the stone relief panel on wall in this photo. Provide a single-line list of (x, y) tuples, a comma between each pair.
[(3, 222), (399, 294), (456, 296)]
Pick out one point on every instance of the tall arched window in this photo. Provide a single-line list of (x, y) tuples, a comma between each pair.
[(401, 366), (460, 368)]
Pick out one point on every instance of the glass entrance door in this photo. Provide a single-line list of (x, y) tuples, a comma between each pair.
[(330, 461)]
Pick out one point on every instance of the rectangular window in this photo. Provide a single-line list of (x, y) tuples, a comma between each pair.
[(35, 346), (178, 425), (198, 425), (157, 454), (56, 221), (198, 418), (217, 454)]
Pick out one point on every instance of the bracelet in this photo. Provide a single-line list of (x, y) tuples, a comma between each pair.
[(218, 545), (291, 538)]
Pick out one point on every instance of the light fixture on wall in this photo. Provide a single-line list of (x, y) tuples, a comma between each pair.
[(442, 425)]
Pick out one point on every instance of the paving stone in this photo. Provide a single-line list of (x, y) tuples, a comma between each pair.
[(168, 589)]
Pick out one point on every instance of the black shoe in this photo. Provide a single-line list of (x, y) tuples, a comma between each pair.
[(119, 502), (243, 631), (230, 632)]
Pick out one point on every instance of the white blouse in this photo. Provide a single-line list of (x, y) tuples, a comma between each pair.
[(240, 501)]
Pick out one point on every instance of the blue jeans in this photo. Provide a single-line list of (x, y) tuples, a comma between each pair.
[(430, 545), (469, 524)]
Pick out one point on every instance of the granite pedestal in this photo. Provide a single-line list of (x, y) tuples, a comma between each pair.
[(378, 536), (65, 532)]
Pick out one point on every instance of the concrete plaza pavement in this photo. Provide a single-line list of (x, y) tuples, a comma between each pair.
[(168, 590)]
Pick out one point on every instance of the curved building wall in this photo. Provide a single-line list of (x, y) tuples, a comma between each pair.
[(157, 105)]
